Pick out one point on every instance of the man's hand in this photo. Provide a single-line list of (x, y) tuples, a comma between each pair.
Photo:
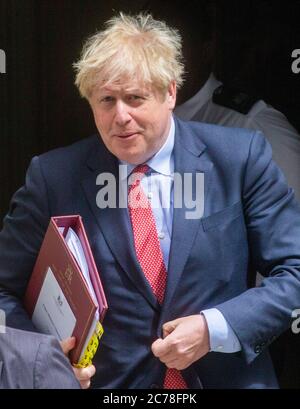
[(185, 340), (83, 375)]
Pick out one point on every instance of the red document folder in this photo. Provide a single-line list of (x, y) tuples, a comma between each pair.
[(55, 256)]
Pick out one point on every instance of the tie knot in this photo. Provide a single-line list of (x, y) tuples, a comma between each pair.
[(141, 169), (137, 174)]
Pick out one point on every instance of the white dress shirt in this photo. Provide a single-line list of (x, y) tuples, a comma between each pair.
[(283, 137)]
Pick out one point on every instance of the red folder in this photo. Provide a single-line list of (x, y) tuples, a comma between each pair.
[(55, 254)]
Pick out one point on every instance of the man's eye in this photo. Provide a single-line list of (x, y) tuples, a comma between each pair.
[(106, 99), (134, 97)]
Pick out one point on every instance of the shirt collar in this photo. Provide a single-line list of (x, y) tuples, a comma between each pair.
[(189, 108), (162, 162)]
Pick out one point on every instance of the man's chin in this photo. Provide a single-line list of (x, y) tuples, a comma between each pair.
[(134, 158)]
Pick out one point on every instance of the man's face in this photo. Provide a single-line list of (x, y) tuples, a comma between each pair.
[(133, 120)]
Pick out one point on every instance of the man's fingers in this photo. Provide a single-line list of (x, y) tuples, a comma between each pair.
[(67, 345), (84, 375), (171, 364), (159, 348), (166, 357), (169, 327), (163, 349), (85, 384)]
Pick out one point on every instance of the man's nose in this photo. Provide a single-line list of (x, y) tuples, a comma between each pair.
[(122, 115)]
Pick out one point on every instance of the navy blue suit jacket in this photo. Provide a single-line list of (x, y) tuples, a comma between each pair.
[(251, 222)]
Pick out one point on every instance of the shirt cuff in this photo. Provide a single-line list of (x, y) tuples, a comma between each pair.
[(221, 335)]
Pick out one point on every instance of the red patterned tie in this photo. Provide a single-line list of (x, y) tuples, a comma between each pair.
[(149, 253)]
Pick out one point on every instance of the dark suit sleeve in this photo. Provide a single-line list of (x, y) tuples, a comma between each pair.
[(52, 370), (272, 216), (20, 240)]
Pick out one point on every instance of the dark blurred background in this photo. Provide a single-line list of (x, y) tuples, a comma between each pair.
[(40, 108)]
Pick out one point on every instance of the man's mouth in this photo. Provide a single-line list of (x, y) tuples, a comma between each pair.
[(126, 135)]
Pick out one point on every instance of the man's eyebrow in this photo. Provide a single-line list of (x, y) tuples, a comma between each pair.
[(131, 91), (135, 90), (104, 90)]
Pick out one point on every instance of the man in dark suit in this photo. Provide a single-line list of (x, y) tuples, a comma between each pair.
[(33, 361), (205, 98), (179, 215)]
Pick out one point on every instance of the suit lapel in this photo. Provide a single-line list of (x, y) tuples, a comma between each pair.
[(114, 223), (189, 158)]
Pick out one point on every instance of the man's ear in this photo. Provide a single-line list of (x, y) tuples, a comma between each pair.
[(171, 95)]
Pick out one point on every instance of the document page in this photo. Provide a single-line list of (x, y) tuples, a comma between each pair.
[(52, 313), (75, 246)]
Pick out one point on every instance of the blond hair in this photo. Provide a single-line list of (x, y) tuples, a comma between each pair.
[(136, 47)]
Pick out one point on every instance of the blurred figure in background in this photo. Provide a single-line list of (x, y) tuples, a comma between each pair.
[(204, 98)]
